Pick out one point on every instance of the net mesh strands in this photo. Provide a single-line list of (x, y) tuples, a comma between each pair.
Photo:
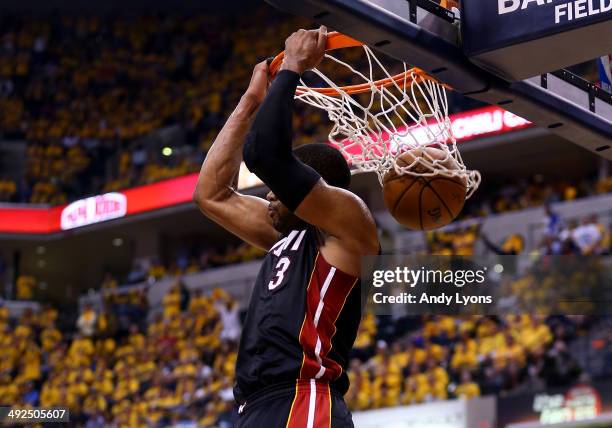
[(377, 121)]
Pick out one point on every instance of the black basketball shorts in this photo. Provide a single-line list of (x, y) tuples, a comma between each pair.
[(306, 404)]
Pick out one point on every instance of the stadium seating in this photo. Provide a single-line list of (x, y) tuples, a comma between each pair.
[(123, 361), (82, 113), (86, 116), (179, 366)]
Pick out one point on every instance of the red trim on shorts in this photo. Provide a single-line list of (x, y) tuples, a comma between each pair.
[(311, 407)]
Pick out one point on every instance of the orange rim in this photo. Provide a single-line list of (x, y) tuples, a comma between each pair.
[(335, 41)]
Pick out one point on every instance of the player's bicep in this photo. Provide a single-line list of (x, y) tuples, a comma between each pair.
[(341, 214), (245, 216)]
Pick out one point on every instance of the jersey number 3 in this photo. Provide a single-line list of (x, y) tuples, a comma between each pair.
[(281, 268)]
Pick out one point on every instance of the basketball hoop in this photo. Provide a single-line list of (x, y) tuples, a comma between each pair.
[(405, 112)]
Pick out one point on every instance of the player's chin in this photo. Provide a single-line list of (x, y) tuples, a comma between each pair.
[(279, 224), (275, 219)]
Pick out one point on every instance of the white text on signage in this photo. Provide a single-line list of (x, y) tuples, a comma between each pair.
[(93, 210), (564, 11)]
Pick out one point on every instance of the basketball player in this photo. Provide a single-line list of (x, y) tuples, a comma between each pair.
[(305, 307)]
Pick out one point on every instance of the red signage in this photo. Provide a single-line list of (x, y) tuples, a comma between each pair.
[(580, 403), (93, 210), (485, 121), (98, 208), (466, 125), (571, 406)]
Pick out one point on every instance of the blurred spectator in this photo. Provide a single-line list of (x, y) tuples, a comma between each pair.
[(156, 270), (109, 282), (229, 313), (86, 322), (467, 388), (511, 245), (25, 287), (29, 394), (137, 273), (184, 293), (552, 221), (459, 240), (8, 188), (588, 236)]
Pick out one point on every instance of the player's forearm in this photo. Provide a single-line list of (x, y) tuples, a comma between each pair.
[(268, 148), (219, 172)]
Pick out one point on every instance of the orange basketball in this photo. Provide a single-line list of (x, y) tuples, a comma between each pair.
[(424, 203)]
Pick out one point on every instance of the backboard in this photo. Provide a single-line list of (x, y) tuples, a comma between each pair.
[(428, 36)]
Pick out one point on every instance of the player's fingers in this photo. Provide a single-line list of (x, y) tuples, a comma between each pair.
[(268, 61), (263, 65), (260, 72), (322, 37), (261, 69), (293, 35)]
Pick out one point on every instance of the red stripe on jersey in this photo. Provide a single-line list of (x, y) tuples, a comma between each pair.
[(334, 301), (326, 295), (308, 334)]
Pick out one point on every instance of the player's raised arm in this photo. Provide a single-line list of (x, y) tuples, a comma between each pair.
[(268, 153), (215, 192)]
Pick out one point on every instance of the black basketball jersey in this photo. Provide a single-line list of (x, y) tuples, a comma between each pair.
[(302, 318)]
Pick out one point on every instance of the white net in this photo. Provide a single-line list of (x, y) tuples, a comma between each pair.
[(409, 114)]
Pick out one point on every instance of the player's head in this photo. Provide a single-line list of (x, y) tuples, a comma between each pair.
[(331, 166), (327, 161)]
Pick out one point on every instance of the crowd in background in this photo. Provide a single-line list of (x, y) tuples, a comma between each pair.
[(443, 357), (530, 192), (113, 368), (589, 235), (90, 93), (86, 91), (191, 259), (126, 365), (586, 236)]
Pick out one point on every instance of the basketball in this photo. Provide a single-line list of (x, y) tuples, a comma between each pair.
[(424, 203)]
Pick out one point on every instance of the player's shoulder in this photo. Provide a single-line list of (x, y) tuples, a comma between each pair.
[(367, 236), (360, 206)]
